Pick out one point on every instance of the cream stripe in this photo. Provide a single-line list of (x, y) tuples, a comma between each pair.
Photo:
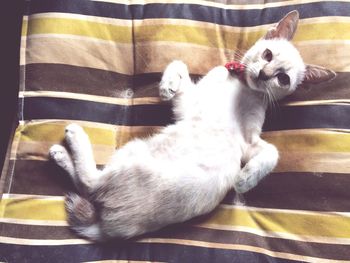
[(42, 242), (25, 196), (237, 247), (33, 222), (220, 5), (319, 102), (78, 96)]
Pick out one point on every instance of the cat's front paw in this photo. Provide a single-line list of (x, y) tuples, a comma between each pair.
[(173, 78)]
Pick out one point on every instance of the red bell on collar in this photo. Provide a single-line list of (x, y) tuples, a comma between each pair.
[(236, 68)]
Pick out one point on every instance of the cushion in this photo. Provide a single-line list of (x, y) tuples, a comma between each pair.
[(98, 64)]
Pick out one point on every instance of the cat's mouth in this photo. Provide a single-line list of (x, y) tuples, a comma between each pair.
[(255, 83)]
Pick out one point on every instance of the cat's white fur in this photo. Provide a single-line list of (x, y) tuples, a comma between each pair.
[(186, 169)]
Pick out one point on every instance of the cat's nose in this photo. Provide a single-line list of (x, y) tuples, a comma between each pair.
[(262, 75)]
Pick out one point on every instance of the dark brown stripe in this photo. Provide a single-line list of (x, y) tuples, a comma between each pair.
[(239, 17), (187, 232), (303, 191), (66, 78), (36, 231)]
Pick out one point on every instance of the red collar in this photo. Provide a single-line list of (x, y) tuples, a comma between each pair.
[(236, 68)]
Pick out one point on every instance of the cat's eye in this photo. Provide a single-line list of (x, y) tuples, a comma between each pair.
[(267, 55), (283, 79)]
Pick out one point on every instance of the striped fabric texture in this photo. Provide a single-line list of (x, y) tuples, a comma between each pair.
[(98, 63)]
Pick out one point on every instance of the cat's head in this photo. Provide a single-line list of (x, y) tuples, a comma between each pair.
[(274, 65)]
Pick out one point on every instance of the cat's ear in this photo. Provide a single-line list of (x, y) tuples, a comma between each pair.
[(316, 74), (285, 28)]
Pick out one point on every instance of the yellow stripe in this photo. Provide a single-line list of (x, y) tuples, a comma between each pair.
[(33, 209), (213, 37), (316, 225), (309, 141), (289, 141), (24, 25), (99, 134), (109, 32), (98, 19), (226, 39), (300, 151), (54, 132)]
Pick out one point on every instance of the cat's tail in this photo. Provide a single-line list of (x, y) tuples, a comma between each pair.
[(82, 218)]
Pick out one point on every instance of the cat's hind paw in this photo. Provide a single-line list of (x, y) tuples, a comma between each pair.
[(76, 137), (73, 130), (58, 153), (248, 178), (61, 157)]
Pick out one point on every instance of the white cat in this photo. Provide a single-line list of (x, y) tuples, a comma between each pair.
[(188, 168)]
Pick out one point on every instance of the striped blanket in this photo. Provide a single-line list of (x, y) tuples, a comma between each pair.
[(98, 63)]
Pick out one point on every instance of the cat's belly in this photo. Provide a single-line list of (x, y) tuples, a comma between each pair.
[(209, 150)]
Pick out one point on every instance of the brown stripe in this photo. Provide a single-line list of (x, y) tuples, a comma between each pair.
[(39, 151), (66, 78), (187, 232), (316, 162), (339, 88), (303, 191), (37, 177)]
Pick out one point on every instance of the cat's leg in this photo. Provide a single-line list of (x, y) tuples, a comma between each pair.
[(261, 158), (82, 156), (174, 81), (60, 155)]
